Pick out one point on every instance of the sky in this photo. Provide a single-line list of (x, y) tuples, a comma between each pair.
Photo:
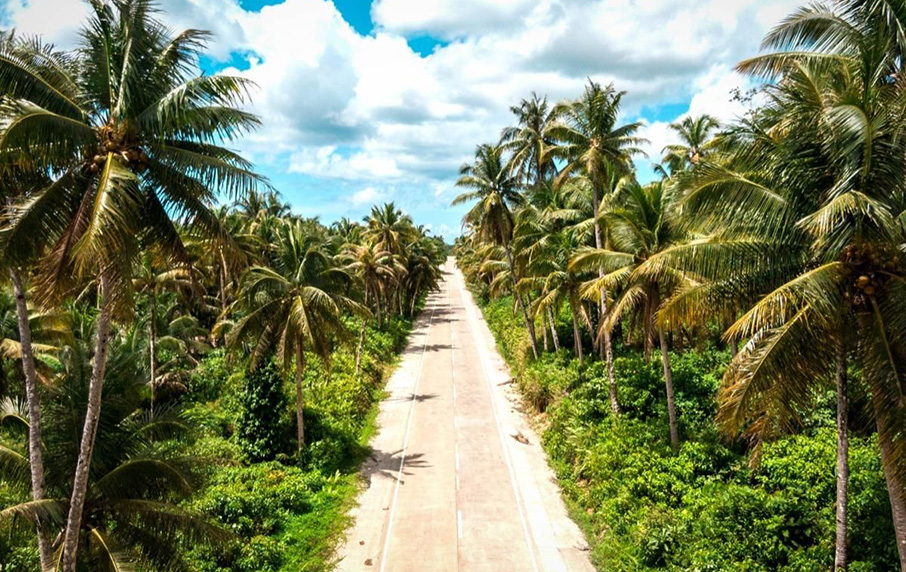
[(369, 101)]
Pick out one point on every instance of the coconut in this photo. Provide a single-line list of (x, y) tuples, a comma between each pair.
[(94, 168), (863, 281)]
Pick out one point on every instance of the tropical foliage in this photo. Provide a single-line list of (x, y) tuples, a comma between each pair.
[(778, 236), (161, 294)]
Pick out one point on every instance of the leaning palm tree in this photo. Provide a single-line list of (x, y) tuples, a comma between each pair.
[(131, 136), (132, 517), (497, 191), (642, 222), (592, 141), (296, 306)]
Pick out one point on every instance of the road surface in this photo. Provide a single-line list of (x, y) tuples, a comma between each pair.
[(450, 487)]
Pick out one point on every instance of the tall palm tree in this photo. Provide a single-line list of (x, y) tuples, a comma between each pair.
[(150, 280), (529, 143), (497, 191), (131, 136), (592, 141), (296, 306), (696, 140), (641, 222)]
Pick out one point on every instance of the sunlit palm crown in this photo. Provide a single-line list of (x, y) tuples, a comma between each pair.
[(128, 135)]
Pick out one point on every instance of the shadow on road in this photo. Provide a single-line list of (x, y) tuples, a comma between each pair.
[(386, 465), (418, 398)]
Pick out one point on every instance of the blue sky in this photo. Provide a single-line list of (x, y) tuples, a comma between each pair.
[(367, 101)]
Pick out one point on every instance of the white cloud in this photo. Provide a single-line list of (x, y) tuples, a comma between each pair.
[(367, 196), (57, 21), (370, 112), (448, 19)]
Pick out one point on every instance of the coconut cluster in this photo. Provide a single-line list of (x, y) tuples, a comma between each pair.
[(870, 266), (121, 146)]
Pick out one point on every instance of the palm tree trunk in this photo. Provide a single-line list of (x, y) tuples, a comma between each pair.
[(607, 343), (152, 344), (35, 453), (840, 559), (380, 318), (611, 378), (89, 431), (654, 302), (300, 416), (889, 462), (553, 324), (547, 345), (668, 380), (529, 325), (360, 349), (577, 336)]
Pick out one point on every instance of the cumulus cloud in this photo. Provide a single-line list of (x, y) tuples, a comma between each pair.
[(370, 112), (365, 197)]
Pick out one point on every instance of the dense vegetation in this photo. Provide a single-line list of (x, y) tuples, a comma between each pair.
[(188, 370), (766, 270)]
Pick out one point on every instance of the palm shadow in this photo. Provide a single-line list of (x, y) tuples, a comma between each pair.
[(386, 465)]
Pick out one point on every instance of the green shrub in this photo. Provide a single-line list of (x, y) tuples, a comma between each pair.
[(645, 506), (259, 429)]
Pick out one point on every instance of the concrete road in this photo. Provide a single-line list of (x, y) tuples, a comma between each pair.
[(450, 487)]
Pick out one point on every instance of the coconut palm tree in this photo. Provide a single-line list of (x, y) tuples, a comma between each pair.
[(641, 222), (375, 271), (496, 191), (696, 140), (591, 141), (130, 134), (803, 206), (294, 307), (549, 273), (529, 142), (150, 280), (388, 228)]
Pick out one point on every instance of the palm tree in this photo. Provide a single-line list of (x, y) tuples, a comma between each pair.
[(696, 140), (388, 228), (130, 134), (150, 281), (375, 271), (551, 275), (295, 306), (802, 205), (641, 222), (529, 142), (497, 192), (132, 519), (591, 141)]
